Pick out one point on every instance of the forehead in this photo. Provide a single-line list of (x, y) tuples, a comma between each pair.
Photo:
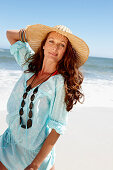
[(56, 35)]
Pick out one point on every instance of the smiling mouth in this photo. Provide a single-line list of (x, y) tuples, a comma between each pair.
[(53, 54)]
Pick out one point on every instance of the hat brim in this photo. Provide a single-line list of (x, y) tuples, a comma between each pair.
[(36, 33)]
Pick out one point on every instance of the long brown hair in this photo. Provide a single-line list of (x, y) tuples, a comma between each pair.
[(67, 67)]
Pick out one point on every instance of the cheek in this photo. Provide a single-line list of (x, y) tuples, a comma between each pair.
[(61, 52), (47, 47)]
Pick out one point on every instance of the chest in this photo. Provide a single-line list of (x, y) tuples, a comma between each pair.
[(16, 96), (36, 80)]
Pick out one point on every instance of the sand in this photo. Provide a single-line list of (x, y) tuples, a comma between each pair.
[(88, 140)]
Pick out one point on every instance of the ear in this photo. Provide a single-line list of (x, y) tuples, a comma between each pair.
[(43, 47)]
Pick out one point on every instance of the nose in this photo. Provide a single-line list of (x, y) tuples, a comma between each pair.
[(55, 47)]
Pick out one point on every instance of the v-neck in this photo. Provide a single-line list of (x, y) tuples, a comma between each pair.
[(32, 74)]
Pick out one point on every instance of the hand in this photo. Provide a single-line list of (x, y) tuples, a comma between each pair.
[(32, 166)]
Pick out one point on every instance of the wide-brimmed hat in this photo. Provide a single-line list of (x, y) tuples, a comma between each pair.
[(36, 33)]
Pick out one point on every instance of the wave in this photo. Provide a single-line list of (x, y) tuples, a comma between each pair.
[(5, 53), (7, 57), (94, 68)]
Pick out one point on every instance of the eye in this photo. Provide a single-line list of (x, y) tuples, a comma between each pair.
[(51, 41), (62, 45)]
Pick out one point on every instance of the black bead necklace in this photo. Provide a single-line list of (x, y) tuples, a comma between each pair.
[(21, 112)]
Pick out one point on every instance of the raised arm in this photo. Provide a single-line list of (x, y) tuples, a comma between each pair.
[(12, 36)]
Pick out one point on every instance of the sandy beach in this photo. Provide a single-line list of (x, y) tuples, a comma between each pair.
[(88, 140)]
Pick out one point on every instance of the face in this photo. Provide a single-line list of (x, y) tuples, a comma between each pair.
[(55, 46)]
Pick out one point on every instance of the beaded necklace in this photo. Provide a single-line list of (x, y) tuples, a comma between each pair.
[(21, 112)]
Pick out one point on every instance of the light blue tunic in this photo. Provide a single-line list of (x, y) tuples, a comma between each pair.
[(18, 146)]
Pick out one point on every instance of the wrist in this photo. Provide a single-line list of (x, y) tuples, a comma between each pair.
[(22, 35), (35, 164)]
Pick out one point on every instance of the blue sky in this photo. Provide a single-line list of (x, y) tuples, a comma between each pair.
[(91, 20)]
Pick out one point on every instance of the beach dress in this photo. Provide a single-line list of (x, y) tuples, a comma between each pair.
[(19, 146)]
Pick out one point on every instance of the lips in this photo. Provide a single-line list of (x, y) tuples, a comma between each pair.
[(54, 54)]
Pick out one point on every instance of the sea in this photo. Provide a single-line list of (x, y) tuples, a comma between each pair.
[(97, 85)]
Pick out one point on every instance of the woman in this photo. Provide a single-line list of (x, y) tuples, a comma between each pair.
[(39, 104)]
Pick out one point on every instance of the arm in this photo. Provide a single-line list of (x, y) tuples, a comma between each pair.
[(46, 148), (12, 36)]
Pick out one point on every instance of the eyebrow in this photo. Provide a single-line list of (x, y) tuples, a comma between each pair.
[(53, 39)]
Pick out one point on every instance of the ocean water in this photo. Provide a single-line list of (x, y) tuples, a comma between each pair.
[(97, 85)]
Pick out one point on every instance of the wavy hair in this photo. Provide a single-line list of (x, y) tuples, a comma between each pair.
[(67, 67)]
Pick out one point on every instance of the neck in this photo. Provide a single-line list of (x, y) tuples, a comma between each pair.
[(48, 68), (46, 73)]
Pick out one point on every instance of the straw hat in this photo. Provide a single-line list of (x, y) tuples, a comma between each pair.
[(36, 33)]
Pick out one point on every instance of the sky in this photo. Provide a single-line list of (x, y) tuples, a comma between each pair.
[(90, 20)]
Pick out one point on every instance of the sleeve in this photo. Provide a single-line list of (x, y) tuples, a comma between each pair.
[(21, 50), (59, 115)]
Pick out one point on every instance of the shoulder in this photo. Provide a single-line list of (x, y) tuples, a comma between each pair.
[(52, 85), (57, 85), (59, 81)]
